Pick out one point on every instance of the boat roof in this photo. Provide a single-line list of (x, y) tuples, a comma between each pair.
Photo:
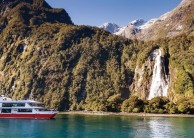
[(9, 100), (19, 101)]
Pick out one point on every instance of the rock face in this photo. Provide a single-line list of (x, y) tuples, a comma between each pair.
[(142, 81)]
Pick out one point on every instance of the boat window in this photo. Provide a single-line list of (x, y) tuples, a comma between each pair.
[(13, 104), (36, 104), (24, 110), (42, 110), (6, 111)]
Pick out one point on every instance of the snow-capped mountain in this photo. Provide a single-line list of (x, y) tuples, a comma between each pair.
[(131, 29), (138, 22), (178, 21), (148, 24), (116, 29), (110, 27)]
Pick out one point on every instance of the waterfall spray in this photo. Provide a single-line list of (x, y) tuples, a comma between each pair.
[(159, 84)]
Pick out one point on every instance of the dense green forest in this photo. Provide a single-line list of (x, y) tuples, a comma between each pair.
[(71, 67)]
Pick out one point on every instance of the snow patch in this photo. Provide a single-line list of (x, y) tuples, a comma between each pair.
[(179, 28), (148, 24), (137, 23), (120, 31), (110, 27), (164, 16)]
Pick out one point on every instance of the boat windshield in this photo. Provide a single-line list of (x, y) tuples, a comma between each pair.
[(36, 104)]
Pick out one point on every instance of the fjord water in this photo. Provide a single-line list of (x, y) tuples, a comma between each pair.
[(98, 126)]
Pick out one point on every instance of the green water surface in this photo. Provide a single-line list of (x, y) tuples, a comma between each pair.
[(98, 126)]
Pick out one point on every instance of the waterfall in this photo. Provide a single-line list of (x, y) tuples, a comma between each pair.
[(159, 84)]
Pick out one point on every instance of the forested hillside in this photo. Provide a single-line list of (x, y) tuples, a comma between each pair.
[(70, 67)]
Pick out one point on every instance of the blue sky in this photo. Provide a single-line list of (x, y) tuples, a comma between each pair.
[(121, 12)]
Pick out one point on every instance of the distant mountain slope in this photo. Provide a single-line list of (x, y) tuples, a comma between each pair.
[(132, 28), (110, 27), (30, 12), (173, 23)]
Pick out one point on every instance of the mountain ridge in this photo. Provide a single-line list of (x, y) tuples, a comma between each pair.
[(116, 29), (171, 24), (31, 12), (110, 27)]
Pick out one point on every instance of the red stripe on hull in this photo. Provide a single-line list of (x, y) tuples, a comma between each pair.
[(28, 116)]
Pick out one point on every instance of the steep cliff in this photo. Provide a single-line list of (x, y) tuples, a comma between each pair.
[(152, 77), (175, 69)]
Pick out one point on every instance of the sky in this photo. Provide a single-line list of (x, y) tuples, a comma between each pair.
[(121, 12)]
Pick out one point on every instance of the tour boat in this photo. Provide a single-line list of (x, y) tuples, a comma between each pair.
[(24, 109)]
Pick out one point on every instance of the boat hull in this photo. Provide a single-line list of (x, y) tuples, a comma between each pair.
[(28, 116)]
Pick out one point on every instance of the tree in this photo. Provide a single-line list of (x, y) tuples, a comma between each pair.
[(133, 104)]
